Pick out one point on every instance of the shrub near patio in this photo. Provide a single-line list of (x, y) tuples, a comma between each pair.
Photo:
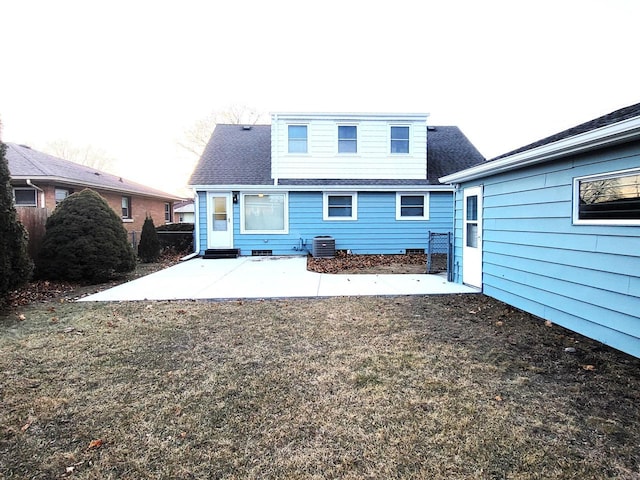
[(84, 241), (438, 387)]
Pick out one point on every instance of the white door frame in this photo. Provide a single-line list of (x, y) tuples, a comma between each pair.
[(472, 236), (220, 222)]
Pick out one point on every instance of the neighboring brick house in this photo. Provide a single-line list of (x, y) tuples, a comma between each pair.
[(40, 181)]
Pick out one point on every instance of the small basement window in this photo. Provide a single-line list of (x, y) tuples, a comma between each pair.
[(608, 199)]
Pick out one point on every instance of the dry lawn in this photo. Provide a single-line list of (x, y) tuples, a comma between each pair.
[(437, 387)]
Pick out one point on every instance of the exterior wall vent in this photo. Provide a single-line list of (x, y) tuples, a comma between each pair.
[(324, 247), (261, 253)]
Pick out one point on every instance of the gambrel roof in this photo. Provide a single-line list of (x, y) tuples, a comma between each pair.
[(238, 155)]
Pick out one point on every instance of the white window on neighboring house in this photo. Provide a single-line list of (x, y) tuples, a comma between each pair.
[(297, 138), (400, 139), (347, 139), (25, 197), (412, 206), (61, 194), (340, 206), (611, 198), (126, 208), (264, 213)]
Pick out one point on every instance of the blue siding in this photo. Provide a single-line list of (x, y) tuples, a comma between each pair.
[(583, 277), (201, 216), (375, 231)]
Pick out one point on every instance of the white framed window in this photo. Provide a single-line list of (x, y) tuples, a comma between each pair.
[(347, 139), (339, 206), (167, 212), (611, 198), (412, 206), (265, 213), (126, 208), (400, 135), (25, 197), (297, 138), (61, 194)]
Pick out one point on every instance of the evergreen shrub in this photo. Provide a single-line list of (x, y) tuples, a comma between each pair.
[(149, 247), (84, 241), (16, 266)]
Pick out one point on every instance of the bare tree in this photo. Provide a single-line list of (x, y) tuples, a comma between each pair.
[(84, 155), (196, 138)]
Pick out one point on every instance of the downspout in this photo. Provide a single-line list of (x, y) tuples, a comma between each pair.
[(42, 202), (454, 270)]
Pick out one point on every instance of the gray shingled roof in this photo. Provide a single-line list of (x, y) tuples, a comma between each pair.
[(24, 162), (239, 156), (609, 119)]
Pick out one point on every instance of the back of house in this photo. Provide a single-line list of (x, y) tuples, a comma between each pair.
[(367, 182), (553, 228)]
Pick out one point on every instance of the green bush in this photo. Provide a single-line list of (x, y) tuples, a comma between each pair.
[(149, 247), (16, 266), (176, 237), (84, 241)]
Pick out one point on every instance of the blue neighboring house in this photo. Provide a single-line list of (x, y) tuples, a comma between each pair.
[(369, 181), (553, 228)]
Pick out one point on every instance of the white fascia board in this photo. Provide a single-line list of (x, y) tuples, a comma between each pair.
[(624, 131), (350, 116), (317, 188)]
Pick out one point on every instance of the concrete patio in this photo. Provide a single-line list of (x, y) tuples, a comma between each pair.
[(267, 277)]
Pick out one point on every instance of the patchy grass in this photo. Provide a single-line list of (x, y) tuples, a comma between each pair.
[(438, 387)]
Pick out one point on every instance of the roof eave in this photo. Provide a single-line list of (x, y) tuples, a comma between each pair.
[(326, 187), (620, 132), (79, 183)]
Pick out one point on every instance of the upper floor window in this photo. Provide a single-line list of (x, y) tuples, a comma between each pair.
[(412, 206), (340, 206), (61, 194), (126, 208), (399, 139), (297, 136), (610, 198), (347, 139), (25, 197)]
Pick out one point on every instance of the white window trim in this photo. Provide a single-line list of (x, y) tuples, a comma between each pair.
[(35, 196), (348, 154), (325, 206), (409, 126), (399, 196), (308, 152), (284, 231), (129, 217), (602, 176)]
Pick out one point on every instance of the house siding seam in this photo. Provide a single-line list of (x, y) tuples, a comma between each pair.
[(583, 277)]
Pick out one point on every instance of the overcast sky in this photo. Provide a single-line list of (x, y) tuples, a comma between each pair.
[(131, 76)]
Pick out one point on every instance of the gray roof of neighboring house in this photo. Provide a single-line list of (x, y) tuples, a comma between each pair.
[(26, 163), (239, 156), (616, 116)]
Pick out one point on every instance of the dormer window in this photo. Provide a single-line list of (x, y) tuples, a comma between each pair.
[(400, 139), (347, 139), (297, 135)]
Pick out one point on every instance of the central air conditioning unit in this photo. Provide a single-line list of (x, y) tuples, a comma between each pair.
[(324, 247)]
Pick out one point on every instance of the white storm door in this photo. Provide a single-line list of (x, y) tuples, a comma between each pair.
[(220, 220), (472, 237)]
